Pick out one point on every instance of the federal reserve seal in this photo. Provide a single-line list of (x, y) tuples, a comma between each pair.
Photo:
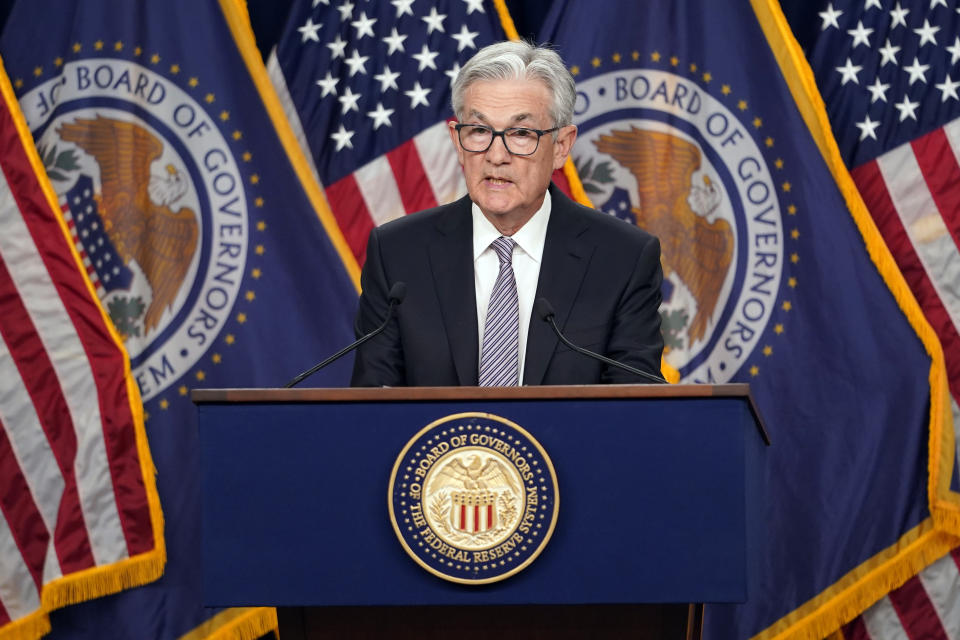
[(666, 146), (473, 498)]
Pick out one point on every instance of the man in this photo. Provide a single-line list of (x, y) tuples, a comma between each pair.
[(474, 268)]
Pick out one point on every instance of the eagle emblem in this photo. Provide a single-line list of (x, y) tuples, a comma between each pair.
[(697, 250), (135, 205)]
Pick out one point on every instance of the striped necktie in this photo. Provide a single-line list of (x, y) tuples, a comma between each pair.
[(500, 356)]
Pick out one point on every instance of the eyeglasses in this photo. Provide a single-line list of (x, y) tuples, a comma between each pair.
[(519, 141)]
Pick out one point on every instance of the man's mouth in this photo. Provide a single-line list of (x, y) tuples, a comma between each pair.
[(498, 181)]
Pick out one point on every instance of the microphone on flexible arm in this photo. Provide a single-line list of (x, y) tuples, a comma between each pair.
[(395, 297), (544, 309)]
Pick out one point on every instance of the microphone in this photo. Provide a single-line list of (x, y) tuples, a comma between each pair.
[(395, 297), (544, 309)]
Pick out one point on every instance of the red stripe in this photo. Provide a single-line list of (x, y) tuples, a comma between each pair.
[(938, 164), (856, 630), (70, 532), (476, 518), (955, 554), (416, 191), (4, 616), (21, 513), (560, 179), (463, 517), (106, 359), (352, 215), (874, 191), (489, 516), (917, 614)]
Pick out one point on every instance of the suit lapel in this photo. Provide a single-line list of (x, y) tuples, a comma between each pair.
[(566, 255), (451, 261)]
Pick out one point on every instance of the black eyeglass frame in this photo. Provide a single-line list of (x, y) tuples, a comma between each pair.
[(503, 137)]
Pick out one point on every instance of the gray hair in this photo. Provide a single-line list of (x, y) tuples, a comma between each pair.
[(519, 60)]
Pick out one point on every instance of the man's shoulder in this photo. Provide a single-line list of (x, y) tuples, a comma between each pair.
[(606, 226), (416, 224)]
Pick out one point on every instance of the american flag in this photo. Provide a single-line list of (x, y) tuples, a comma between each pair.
[(368, 87), (889, 77), (79, 512)]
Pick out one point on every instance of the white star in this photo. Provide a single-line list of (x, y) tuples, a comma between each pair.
[(907, 108), (917, 71), (898, 16), (337, 47), (342, 138), (309, 31), (425, 58), (357, 62), (394, 41), (453, 72), (934, 3), (927, 33), (403, 6), (434, 21), (829, 17), (348, 101), (363, 25), (948, 89), (860, 35), (872, 3), (316, 2), (474, 5), (888, 53), (867, 128), (387, 79), (465, 38), (954, 51), (380, 116), (878, 91), (417, 95), (346, 11), (849, 72), (328, 84)]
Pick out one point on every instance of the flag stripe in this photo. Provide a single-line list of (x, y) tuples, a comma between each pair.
[(941, 581), (884, 622), (440, 163), (870, 182), (924, 226), (352, 215), (19, 595), (73, 370), (916, 612), (856, 630), (28, 385), (20, 512), (937, 162), (377, 185), (415, 188), (123, 494)]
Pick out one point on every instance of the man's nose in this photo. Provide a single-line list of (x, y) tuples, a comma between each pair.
[(497, 153)]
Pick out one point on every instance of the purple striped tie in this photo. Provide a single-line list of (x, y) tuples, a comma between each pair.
[(500, 357)]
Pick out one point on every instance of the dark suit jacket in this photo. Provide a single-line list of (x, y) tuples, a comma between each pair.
[(601, 275)]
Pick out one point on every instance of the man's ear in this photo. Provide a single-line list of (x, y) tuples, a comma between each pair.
[(455, 140), (564, 143)]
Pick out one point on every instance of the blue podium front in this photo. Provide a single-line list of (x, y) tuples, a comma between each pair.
[(656, 497)]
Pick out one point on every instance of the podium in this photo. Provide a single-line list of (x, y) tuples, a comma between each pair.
[(657, 494)]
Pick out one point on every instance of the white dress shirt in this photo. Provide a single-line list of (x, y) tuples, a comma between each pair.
[(527, 256)]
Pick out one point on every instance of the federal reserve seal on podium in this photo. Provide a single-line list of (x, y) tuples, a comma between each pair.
[(473, 498)]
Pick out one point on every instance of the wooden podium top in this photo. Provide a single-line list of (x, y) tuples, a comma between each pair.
[(399, 394)]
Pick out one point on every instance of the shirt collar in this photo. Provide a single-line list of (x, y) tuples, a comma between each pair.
[(530, 238)]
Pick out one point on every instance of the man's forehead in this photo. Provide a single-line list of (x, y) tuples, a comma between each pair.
[(514, 100)]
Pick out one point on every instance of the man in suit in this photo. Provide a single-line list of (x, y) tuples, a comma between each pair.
[(474, 268)]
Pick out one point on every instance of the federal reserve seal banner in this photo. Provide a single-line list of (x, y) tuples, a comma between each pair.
[(202, 244), (692, 128), (473, 498)]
